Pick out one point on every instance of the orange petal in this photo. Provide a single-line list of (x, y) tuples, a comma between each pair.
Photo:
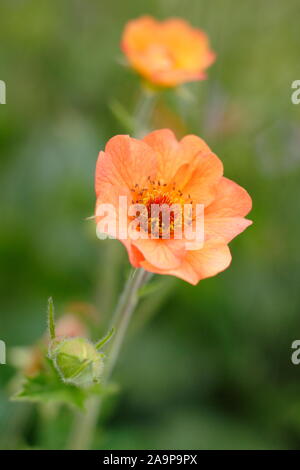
[(207, 262), (231, 201), (138, 34), (192, 146), (223, 218), (189, 163), (193, 53), (135, 256), (224, 229), (108, 181), (211, 260), (125, 162), (202, 184), (164, 254), (170, 158), (201, 173)]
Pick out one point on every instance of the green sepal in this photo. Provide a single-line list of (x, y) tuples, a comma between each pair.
[(50, 315), (105, 340), (77, 361)]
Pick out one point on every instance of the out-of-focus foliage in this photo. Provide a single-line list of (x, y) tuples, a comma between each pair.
[(47, 387), (212, 368)]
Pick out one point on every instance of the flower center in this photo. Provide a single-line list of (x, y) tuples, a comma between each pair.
[(164, 207)]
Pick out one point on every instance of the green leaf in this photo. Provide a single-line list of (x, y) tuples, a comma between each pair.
[(51, 323), (47, 387)]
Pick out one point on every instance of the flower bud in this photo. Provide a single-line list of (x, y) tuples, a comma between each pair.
[(77, 361)]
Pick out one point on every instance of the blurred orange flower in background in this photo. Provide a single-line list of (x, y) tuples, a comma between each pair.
[(167, 53), (158, 169)]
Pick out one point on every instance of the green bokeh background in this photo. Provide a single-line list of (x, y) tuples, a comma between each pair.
[(211, 369)]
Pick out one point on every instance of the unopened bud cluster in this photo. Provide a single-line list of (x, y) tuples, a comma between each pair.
[(78, 361)]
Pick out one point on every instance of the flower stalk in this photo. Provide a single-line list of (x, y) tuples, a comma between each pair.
[(84, 425), (144, 110)]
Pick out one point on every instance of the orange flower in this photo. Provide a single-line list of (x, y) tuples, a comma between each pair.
[(166, 53), (159, 169)]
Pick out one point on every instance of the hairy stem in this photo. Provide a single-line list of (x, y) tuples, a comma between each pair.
[(84, 425)]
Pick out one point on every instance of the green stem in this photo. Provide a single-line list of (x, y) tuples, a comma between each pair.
[(143, 111), (112, 257), (85, 425), (123, 313)]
